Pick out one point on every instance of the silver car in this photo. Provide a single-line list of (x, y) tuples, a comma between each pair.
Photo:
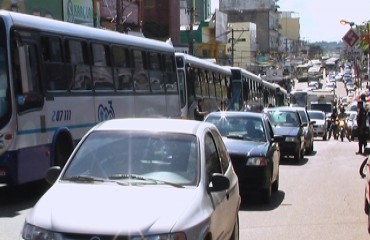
[(141, 179), (320, 126)]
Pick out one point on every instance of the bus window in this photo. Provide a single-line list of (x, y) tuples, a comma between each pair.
[(122, 72), (197, 83), (203, 83), (80, 70), (27, 63), (55, 79), (170, 72), (101, 70), (211, 85), (140, 77), (155, 74)]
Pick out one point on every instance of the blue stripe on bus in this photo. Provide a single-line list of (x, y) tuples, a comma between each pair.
[(33, 131)]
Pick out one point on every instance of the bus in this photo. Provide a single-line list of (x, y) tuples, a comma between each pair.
[(201, 78), (246, 86), (59, 79), (298, 98)]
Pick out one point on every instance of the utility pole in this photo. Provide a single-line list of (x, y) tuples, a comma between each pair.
[(191, 11), (119, 7)]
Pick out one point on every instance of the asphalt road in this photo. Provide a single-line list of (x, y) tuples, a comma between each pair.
[(321, 198)]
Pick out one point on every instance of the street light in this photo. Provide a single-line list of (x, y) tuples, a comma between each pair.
[(344, 22)]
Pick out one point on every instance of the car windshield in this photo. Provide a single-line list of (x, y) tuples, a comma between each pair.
[(239, 127), (316, 115), (140, 158), (283, 118)]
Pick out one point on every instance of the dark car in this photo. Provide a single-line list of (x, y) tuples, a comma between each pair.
[(253, 148), (288, 123), (309, 132)]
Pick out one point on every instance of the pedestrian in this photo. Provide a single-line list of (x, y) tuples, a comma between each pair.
[(361, 123), (222, 106), (246, 107), (199, 114)]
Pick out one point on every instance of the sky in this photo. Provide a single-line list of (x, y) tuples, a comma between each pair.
[(320, 19)]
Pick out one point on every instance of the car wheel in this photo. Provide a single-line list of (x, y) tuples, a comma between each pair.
[(235, 235), (275, 185), (298, 155), (266, 194)]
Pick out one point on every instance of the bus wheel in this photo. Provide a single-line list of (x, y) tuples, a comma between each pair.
[(63, 150)]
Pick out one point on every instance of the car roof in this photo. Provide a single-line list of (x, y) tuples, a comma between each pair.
[(236, 113), (153, 124), (286, 108), (315, 111)]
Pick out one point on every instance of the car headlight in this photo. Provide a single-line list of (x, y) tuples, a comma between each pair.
[(257, 161), (291, 139), (168, 236), (31, 232)]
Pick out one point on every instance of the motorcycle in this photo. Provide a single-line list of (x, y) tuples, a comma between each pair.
[(342, 129)]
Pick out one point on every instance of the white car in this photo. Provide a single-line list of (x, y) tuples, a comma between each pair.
[(320, 126), (141, 179)]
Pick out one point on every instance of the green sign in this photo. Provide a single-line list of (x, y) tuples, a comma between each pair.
[(79, 11)]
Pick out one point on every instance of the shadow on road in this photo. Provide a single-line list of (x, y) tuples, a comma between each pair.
[(253, 202), (17, 198)]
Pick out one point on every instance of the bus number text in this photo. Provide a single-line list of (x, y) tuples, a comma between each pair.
[(61, 115)]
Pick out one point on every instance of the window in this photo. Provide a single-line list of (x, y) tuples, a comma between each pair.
[(52, 55), (79, 70), (212, 159), (101, 71), (122, 72)]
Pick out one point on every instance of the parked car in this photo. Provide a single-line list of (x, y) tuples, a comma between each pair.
[(320, 127), (287, 122), (253, 148), (141, 179), (309, 133)]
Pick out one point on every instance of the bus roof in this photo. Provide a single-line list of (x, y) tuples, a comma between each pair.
[(77, 30)]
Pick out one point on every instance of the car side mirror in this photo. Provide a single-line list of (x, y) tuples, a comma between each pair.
[(218, 182), (52, 174)]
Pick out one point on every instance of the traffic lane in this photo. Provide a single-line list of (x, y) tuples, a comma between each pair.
[(15, 202), (322, 198)]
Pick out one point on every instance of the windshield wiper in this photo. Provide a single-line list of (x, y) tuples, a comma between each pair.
[(84, 178), (139, 177)]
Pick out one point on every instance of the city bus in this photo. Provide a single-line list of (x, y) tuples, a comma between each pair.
[(201, 79), (59, 79), (298, 98), (250, 88)]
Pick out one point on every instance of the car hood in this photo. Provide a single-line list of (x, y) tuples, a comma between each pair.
[(113, 209), (286, 131), (249, 148)]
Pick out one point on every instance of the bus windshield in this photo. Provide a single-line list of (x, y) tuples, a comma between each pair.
[(5, 106)]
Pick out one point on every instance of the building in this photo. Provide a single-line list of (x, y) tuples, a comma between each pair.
[(261, 12)]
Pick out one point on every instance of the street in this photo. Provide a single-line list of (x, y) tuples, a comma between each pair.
[(321, 198)]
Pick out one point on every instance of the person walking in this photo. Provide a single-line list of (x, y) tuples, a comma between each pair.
[(361, 123), (199, 114)]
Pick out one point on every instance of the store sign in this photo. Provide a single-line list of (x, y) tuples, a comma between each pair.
[(351, 37), (79, 11)]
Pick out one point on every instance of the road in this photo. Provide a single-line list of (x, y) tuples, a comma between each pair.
[(321, 198)]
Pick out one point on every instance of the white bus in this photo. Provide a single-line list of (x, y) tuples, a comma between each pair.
[(58, 79), (246, 86), (201, 78)]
